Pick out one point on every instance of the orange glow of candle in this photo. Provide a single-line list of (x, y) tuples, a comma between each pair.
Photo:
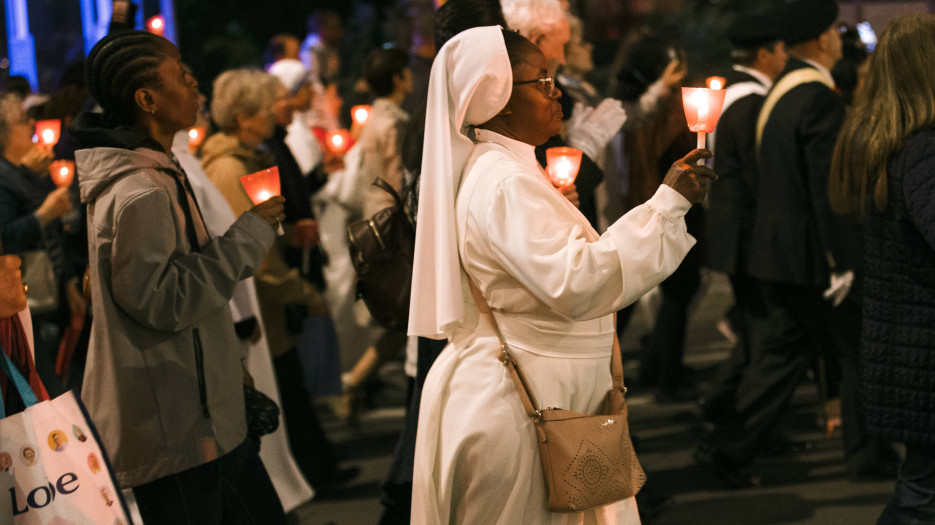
[(156, 25), (262, 185), (338, 141), (62, 172), (196, 136), (48, 131), (361, 114), (715, 82), (702, 108), (562, 165)]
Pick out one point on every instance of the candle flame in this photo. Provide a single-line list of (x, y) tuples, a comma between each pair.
[(264, 195), (337, 140), (157, 23), (361, 115), (700, 101), (64, 171), (193, 134), (48, 136), (715, 82)]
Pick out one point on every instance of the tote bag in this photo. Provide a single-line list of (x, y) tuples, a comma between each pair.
[(52, 470)]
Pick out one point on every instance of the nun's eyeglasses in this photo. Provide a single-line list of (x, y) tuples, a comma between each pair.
[(547, 85)]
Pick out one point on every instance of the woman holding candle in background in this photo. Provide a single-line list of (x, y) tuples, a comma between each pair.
[(244, 107), (552, 282), (31, 208), (164, 379)]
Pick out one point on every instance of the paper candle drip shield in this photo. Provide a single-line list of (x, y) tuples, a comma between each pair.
[(702, 108), (196, 136), (262, 185), (62, 172), (48, 131), (338, 141), (562, 165), (361, 114)]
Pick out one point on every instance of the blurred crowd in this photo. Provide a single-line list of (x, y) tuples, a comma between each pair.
[(801, 287)]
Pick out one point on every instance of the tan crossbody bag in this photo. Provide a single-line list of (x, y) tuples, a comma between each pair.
[(588, 461)]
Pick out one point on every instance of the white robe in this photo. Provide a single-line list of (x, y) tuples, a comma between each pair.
[(553, 285)]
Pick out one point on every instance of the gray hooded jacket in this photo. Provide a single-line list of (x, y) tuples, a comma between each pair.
[(163, 381)]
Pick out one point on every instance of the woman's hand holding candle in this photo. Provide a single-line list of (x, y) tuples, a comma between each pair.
[(271, 210), (691, 179)]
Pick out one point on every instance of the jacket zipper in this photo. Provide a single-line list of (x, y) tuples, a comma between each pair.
[(200, 371)]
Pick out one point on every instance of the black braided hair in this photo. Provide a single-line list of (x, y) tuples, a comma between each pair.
[(118, 65)]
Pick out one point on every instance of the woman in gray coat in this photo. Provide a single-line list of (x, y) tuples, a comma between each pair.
[(163, 382)]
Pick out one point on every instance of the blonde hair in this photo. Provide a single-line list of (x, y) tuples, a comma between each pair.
[(241, 92), (897, 100)]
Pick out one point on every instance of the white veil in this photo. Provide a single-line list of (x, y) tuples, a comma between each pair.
[(471, 82)]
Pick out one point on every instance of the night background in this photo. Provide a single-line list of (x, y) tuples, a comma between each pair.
[(216, 35)]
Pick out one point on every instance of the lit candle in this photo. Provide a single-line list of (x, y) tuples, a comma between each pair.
[(361, 114), (562, 165), (702, 110), (196, 136), (262, 185), (715, 82), (62, 172), (338, 141), (48, 131), (156, 25)]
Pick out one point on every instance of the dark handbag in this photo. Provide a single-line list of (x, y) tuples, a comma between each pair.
[(262, 412), (382, 250), (588, 460)]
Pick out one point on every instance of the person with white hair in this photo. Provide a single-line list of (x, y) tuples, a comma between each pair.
[(589, 128), (490, 223)]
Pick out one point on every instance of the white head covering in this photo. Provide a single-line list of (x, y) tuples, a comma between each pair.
[(290, 72), (471, 82)]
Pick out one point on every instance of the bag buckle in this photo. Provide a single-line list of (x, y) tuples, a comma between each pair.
[(504, 356)]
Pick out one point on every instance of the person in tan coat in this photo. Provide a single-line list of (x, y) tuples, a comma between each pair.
[(243, 106)]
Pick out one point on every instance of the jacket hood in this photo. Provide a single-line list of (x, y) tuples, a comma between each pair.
[(221, 145), (91, 131)]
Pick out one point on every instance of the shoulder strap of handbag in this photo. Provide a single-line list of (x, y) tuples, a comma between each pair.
[(519, 380), (399, 199), (17, 380), (793, 79)]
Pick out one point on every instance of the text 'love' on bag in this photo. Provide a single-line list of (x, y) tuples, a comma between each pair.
[(52, 470)]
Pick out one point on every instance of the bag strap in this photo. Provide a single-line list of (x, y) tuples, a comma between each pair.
[(519, 379), (387, 187), (17, 379)]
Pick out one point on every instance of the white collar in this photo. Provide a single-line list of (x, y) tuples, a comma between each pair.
[(526, 152), (761, 77), (822, 69)]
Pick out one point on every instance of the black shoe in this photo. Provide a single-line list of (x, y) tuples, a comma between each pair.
[(731, 473)]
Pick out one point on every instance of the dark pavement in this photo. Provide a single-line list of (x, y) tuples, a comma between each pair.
[(807, 487)]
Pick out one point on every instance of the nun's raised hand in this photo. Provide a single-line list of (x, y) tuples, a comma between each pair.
[(690, 179)]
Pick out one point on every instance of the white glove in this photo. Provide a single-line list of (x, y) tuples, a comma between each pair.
[(840, 286), (590, 129)]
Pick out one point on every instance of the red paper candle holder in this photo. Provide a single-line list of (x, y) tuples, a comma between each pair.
[(562, 165), (48, 131), (62, 172), (338, 141), (262, 185), (196, 136), (361, 114), (156, 25), (702, 108), (715, 82)]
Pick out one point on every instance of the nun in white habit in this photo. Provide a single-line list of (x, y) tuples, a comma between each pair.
[(487, 209)]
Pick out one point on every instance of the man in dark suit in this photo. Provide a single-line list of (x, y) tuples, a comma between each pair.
[(796, 252), (759, 56)]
